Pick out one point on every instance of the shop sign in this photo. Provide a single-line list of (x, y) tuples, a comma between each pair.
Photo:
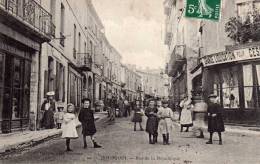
[(203, 9), (231, 56)]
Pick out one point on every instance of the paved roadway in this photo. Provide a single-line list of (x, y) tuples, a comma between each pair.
[(122, 145)]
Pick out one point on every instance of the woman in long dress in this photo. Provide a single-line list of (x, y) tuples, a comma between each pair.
[(48, 108), (186, 117)]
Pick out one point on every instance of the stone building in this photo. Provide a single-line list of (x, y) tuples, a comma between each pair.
[(154, 83), (23, 33), (217, 57), (181, 37), (230, 60)]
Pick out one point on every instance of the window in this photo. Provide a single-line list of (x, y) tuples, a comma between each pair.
[(51, 77), (74, 89), (60, 82), (244, 9), (248, 86), (258, 82), (216, 85), (62, 24), (79, 43), (91, 48), (1, 83), (62, 18), (74, 41), (85, 48), (230, 87)]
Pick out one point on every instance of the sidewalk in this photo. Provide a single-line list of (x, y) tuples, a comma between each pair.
[(239, 130), (21, 140)]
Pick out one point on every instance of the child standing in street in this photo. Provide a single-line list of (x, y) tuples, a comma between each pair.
[(60, 115), (69, 130), (86, 117), (165, 125)]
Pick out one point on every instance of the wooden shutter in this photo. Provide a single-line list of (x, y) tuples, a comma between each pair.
[(46, 82)]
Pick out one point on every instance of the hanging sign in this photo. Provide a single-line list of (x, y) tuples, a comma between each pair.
[(203, 9)]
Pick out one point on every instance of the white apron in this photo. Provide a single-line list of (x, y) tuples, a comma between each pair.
[(69, 126)]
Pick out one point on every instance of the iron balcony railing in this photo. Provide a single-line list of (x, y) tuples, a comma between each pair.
[(84, 61), (31, 13)]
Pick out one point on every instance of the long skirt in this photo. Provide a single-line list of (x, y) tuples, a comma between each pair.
[(165, 126), (152, 125), (186, 118), (137, 117), (48, 119), (69, 130), (89, 128), (216, 124)]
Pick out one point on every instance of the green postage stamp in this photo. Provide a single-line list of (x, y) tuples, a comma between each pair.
[(203, 9)]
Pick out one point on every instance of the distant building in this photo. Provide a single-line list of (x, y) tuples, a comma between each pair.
[(154, 83)]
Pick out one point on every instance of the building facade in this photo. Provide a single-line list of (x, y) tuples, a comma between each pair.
[(181, 37), (228, 53), (23, 31), (231, 62), (154, 83)]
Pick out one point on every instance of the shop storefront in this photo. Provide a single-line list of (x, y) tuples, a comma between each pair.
[(234, 77), (15, 77)]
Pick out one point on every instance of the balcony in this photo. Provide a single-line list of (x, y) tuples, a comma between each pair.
[(27, 17), (84, 61), (177, 60)]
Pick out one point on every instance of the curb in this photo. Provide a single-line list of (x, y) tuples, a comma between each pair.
[(20, 146), (236, 131)]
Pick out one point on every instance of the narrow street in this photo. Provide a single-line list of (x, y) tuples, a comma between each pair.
[(122, 145)]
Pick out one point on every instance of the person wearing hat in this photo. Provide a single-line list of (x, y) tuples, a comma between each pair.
[(165, 125), (215, 119), (186, 117), (86, 117), (48, 107)]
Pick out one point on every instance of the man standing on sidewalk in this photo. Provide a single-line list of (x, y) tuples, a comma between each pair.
[(215, 120), (86, 117)]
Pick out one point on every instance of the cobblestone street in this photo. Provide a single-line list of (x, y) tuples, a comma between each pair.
[(122, 145)]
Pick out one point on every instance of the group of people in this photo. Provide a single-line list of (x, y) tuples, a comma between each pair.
[(67, 121), (86, 117), (214, 115), (160, 117)]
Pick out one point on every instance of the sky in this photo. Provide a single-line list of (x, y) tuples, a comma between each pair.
[(135, 28)]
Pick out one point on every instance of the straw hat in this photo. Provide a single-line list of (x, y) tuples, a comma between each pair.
[(51, 93)]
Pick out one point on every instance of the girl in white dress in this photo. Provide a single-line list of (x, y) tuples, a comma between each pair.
[(69, 130), (165, 125)]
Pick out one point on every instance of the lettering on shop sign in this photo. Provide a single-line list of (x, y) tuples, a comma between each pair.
[(231, 56)]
